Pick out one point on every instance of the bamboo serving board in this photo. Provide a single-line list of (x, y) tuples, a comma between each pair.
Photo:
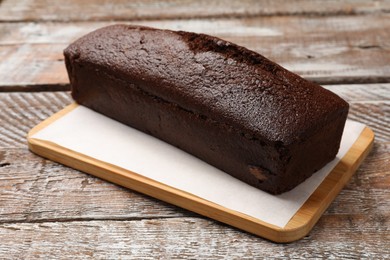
[(299, 225)]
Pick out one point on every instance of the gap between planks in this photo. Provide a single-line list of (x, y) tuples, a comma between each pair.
[(35, 88), (87, 219)]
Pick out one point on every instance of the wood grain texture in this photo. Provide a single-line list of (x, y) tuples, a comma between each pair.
[(21, 111), (335, 237), (33, 189), (369, 93), (73, 10), (350, 49), (355, 226)]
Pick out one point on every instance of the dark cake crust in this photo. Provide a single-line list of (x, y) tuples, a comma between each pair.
[(223, 103)]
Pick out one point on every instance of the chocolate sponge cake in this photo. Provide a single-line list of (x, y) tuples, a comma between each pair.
[(223, 103)]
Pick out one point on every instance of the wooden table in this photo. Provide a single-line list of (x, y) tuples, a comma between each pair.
[(51, 211)]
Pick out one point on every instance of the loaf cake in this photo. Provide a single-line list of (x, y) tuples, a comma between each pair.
[(227, 105)]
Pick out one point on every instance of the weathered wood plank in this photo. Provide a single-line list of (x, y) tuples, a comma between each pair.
[(73, 10), (362, 92), (32, 67), (35, 189), (335, 237), (375, 116), (324, 49), (21, 111)]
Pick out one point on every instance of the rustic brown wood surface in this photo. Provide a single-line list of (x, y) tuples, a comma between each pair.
[(50, 211), (335, 49), (74, 10)]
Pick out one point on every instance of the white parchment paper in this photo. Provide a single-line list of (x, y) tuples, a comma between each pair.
[(87, 132)]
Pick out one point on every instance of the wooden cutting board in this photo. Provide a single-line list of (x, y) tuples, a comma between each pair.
[(299, 225)]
